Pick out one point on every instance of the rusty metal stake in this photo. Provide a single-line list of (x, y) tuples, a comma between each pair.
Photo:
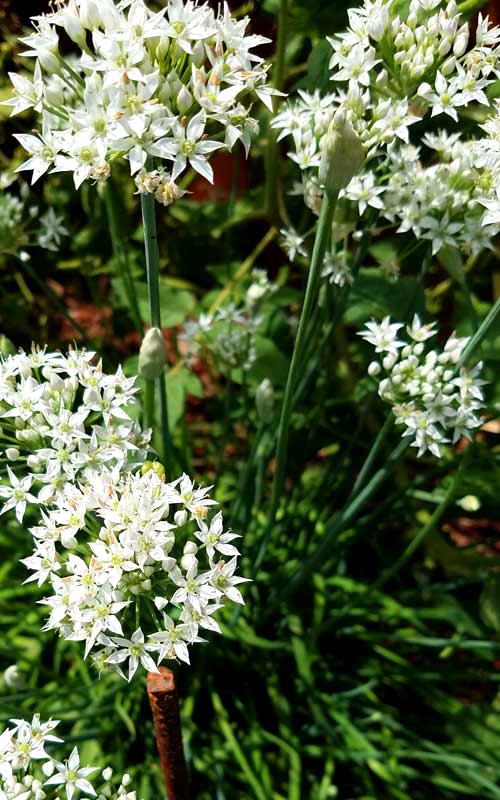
[(162, 696)]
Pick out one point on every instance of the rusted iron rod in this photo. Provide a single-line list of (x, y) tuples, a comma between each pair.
[(164, 704)]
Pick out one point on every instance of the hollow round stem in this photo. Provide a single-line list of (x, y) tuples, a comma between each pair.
[(153, 278), (320, 244), (120, 253)]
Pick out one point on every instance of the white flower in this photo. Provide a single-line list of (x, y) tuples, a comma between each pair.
[(25, 767), (173, 639), (293, 243), (17, 494), (363, 191), (213, 537), (135, 651), (225, 581), (419, 332), (28, 94), (383, 335), (188, 145), (71, 776)]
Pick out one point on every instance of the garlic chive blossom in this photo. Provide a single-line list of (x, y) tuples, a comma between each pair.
[(120, 548), (68, 419), (175, 86), (28, 772), (436, 403), (393, 65)]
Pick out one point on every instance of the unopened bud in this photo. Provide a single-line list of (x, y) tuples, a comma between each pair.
[(184, 100), (12, 453), (180, 517), (13, 677), (264, 400), (152, 355), (374, 369), (469, 503), (343, 154)]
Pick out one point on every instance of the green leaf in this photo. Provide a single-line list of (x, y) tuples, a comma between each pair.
[(176, 304), (180, 383), (269, 361), (376, 295), (489, 603), (318, 73)]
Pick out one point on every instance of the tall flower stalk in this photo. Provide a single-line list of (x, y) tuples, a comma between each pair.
[(153, 277), (342, 157), (320, 245)]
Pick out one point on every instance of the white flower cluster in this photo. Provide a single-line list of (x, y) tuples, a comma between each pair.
[(28, 772), (61, 420), (487, 157), (429, 395), (118, 550), (144, 85), (442, 201), (23, 225), (392, 70), (229, 333)]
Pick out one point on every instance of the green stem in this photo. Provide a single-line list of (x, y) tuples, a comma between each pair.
[(165, 433), (338, 312), (148, 415), (372, 455), (120, 253), (322, 235), (470, 5), (426, 529), (480, 333), (153, 276), (272, 160)]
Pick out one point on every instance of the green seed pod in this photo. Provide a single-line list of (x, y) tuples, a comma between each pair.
[(152, 355), (343, 154), (156, 466)]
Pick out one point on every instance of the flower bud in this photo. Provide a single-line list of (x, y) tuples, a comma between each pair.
[(89, 14), (343, 154), (469, 503), (264, 400), (71, 22), (184, 100), (152, 355), (13, 677), (188, 561), (180, 517), (12, 453), (374, 369)]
